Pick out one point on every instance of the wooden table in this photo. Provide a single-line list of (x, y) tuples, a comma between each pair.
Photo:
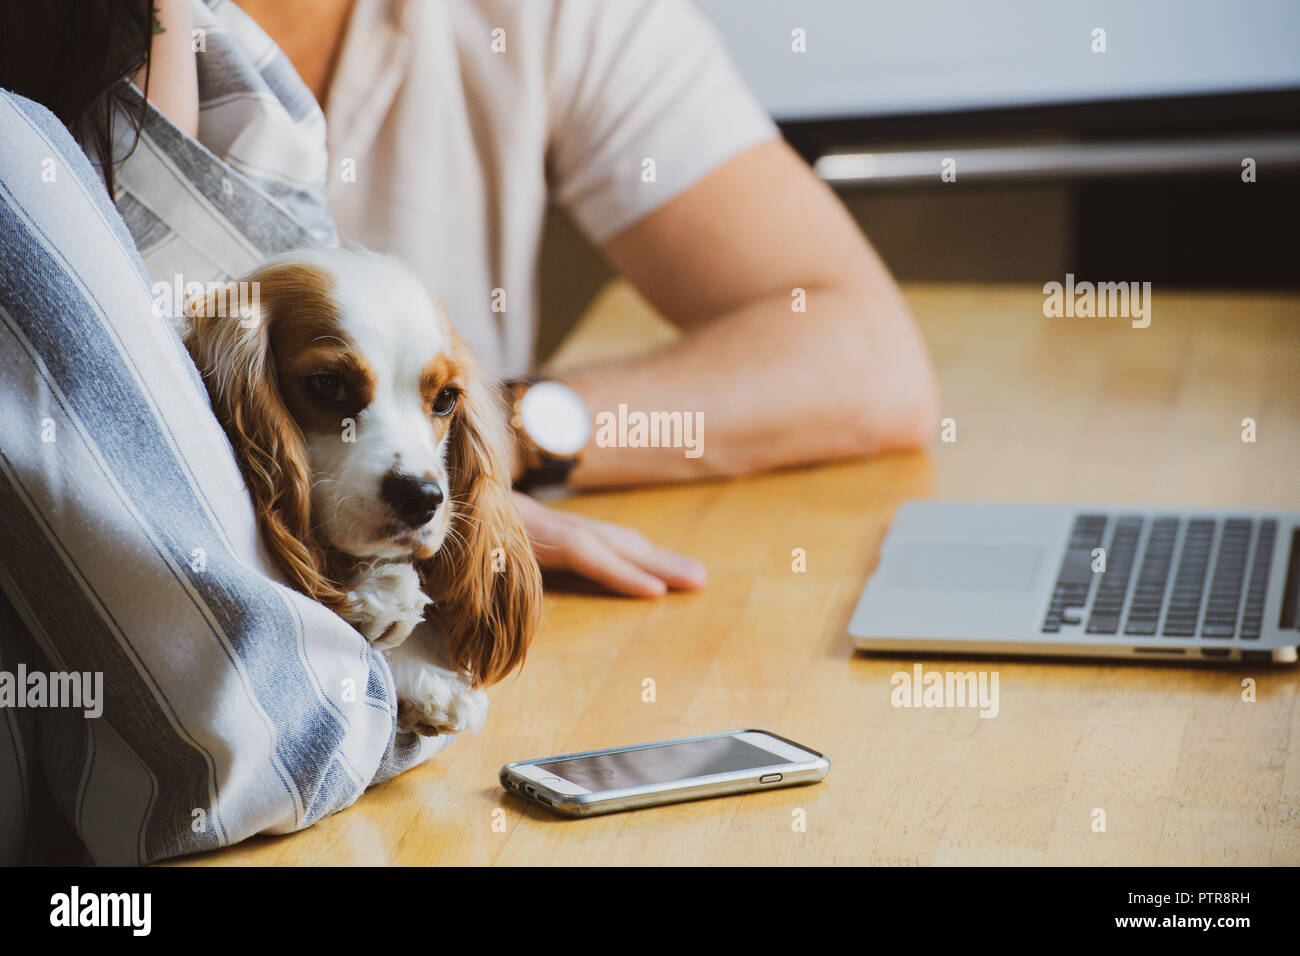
[(1045, 409)]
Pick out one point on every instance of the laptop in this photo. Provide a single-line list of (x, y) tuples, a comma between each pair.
[(1073, 581)]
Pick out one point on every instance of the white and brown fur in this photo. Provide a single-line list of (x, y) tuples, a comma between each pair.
[(350, 336)]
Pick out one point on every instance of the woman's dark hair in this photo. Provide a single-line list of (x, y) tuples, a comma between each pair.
[(69, 56)]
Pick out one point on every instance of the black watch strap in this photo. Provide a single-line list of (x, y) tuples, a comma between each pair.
[(549, 471)]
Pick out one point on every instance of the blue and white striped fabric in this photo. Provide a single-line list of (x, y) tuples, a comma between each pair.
[(251, 185), (128, 546)]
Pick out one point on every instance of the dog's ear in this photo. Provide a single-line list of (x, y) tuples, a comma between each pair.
[(229, 340), (484, 581)]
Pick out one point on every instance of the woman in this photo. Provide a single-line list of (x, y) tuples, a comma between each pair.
[(126, 535)]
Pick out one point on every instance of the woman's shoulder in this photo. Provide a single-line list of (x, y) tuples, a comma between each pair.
[(33, 139)]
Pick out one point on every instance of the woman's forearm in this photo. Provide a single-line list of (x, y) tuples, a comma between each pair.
[(173, 74)]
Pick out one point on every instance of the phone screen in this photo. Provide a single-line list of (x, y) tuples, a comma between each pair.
[(653, 765)]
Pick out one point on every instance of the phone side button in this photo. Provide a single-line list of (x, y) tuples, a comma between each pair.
[(769, 778)]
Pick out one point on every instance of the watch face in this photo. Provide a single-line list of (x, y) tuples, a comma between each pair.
[(555, 418)]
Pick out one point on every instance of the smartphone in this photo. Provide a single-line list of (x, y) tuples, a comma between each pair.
[(670, 771)]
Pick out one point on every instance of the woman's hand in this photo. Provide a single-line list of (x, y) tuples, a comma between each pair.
[(616, 557)]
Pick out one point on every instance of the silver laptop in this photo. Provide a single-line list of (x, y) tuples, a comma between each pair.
[(1061, 580)]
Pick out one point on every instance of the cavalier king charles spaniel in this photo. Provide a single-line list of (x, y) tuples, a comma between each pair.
[(374, 450)]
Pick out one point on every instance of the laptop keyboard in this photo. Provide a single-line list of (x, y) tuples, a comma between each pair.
[(1162, 592)]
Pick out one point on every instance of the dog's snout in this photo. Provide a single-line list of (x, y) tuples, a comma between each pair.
[(413, 500)]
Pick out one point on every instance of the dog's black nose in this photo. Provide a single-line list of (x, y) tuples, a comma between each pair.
[(414, 500)]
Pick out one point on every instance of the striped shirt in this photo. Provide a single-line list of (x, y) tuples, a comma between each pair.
[(129, 552)]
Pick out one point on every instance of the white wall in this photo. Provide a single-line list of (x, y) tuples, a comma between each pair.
[(878, 57)]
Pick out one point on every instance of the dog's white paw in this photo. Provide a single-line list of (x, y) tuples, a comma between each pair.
[(432, 700), (387, 603)]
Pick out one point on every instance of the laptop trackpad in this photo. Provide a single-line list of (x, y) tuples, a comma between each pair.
[(962, 566)]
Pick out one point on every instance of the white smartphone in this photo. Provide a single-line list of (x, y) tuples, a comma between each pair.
[(670, 771)]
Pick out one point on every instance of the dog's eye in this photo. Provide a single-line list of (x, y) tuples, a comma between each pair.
[(327, 388), (445, 402)]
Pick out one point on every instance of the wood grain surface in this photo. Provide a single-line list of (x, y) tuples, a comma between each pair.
[(1045, 409)]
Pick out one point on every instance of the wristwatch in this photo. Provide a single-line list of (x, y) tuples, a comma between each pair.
[(553, 426)]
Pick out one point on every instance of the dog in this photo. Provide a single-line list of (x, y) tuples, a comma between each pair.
[(374, 450)]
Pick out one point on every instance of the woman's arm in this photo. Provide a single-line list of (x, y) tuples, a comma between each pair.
[(726, 260), (173, 76), (230, 704)]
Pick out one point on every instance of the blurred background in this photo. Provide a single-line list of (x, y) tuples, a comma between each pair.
[(1115, 156)]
